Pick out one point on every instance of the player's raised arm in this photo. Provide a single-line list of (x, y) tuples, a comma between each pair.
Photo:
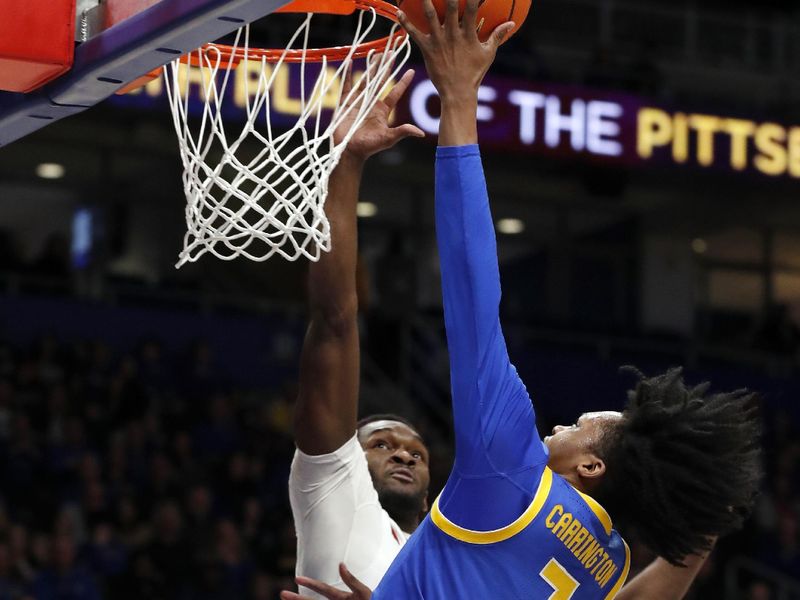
[(499, 456), (327, 404), (334, 502)]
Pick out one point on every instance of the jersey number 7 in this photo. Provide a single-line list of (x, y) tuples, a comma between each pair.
[(557, 577)]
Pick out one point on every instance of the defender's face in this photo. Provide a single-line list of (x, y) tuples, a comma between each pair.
[(397, 458), (569, 445)]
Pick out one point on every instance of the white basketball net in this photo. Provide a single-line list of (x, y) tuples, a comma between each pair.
[(259, 192)]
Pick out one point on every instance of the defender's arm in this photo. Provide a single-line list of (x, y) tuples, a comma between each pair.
[(327, 404)]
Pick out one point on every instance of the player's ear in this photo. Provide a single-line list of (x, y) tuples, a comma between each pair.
[(425, 506), (591, 466)]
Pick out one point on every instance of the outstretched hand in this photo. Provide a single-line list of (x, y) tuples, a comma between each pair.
[(455, 58), (358, 590), (375, 133)]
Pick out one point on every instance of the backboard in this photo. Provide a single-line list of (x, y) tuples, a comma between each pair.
[(118, 41)]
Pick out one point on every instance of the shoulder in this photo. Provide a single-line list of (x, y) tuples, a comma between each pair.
[(477, 503), (347, 451), (347, 457), (334, 483)]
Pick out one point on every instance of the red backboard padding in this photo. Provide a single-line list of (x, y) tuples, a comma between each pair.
[(36, 42)]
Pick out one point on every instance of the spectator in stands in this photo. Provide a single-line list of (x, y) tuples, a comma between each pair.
[(169, 553), (22, 568), (11, 587), (106, 554), (65, 579), (231, 554), (134, 532), (199, 506), (218, 435)]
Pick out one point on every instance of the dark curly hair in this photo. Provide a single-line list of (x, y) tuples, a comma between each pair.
[(682, 465)]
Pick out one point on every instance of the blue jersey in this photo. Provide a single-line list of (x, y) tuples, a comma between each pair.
[(505, 526)]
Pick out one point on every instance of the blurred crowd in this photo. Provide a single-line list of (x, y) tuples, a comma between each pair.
[(129, 477), (143, 476)]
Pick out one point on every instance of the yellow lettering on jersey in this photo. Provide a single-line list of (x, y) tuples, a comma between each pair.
[(550, 522), (579, 538), (608, 572), (600, 563), (567, 536), (586, 553), (562, 524), (594, 557), (562, 582), (582, 544)]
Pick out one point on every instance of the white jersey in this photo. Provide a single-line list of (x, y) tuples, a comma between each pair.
[(338, 518)]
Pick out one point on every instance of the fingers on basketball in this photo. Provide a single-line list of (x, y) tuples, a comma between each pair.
[(407, 25), (432, 17), (500, 34), (470, 18), (451, 19), (481, 17)]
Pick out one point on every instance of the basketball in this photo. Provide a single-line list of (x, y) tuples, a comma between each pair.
[(491, 13)]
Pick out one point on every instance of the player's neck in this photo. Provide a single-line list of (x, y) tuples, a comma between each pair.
[(407, 522), (405, 510)]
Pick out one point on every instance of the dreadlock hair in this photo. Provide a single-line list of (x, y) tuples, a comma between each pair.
[(681, 466), (388, 417)]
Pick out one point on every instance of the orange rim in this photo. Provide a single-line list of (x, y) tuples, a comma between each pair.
[(234, 56)]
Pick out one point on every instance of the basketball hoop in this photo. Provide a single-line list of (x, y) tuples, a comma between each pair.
[(257, 192)]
